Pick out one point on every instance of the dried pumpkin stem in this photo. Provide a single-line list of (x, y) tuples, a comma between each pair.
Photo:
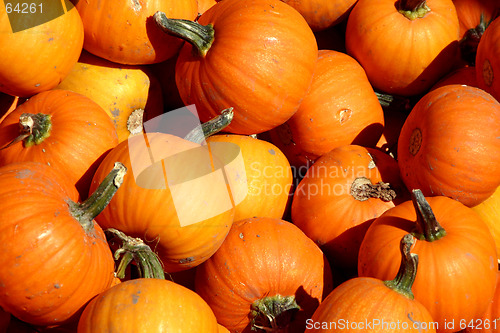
[(407, 272), (211, 127), (86, 211), (413, 9), (200, 36), (427, 226), (362, 189), (135, 121), (33, 129), (273, 313), (134, 249)]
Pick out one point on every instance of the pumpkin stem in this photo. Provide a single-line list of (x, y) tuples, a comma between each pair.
[(362, 189), (135, 121), (407, 272), (200, 36), (427, 226), (413, 9), (86, 211), (211, 127), (470, 40), (273, 313), (134, 249), (393, 102), (33, 129)]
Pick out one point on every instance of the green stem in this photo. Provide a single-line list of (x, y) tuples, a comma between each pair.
[(273, 312), (427, 226), (393, 102), (200, 36), (34, 128), (86, 211), (211, 127), (407, 272), (413, 9), (134, 249)]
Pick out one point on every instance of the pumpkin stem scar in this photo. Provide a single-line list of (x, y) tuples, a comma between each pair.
[(200, 36), (362, 189), (413, 9), (135, 121), (427, 226), (86, 211), (407, 272), (415, 141), (273, 313)]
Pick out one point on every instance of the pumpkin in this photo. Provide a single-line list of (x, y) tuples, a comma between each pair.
[(204, 5), (265, 177), (391, 40), (125, 32), (321, 14), (266, 275), (446, 143), (340, 108), (39, 51), (455, 250), (128, 94), (148, 305), (489, 321), (63, 129), (184, 224), (462, 75), (374, 305), (257, 71), (489, 210), (487, 67), (474, 17), (340, 196), (57, 256)]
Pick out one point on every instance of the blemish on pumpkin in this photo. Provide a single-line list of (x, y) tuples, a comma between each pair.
[(272, 152), (135, 297), (24, 174), (344, 115), (487, 73), (37, 85), (57, 285), (186, 260), (415, 141), (241, 235)]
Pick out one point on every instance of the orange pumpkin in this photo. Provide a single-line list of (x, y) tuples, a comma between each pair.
[(321, 14), (63, 129), (125, 33), (154, 305), (489, 210), (487, 64), (266, 275), (455, 250), (340, 108), (40, 49), (391, 41), (340, 196), (266, 176), (257, 72), (462, 75), (365, 304), (57, 255), (489, 322), (128, 94), (446, 143)]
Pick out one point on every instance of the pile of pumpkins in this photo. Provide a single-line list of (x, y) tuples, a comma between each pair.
[(251, 165)]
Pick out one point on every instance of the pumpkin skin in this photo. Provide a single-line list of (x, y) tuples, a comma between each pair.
[(48, 50), (462, 75), (263, 257), (268, 177), (333, 209), (321, 14), (488, 323), (125, 33), (179, 246), (128, 94), (340, 108), (81, 133), (489, 210), (487, 67), (259, 73), (449, 267), (398, 54), (55, 266), (155, 305), (444, 148)]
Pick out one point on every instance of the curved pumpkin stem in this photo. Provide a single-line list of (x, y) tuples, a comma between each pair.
[(470, 41), (413, 9), (86, 211), (134, 249), (427, 226), (273, 313), (200, 36), (211, 127), (405, 277)]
